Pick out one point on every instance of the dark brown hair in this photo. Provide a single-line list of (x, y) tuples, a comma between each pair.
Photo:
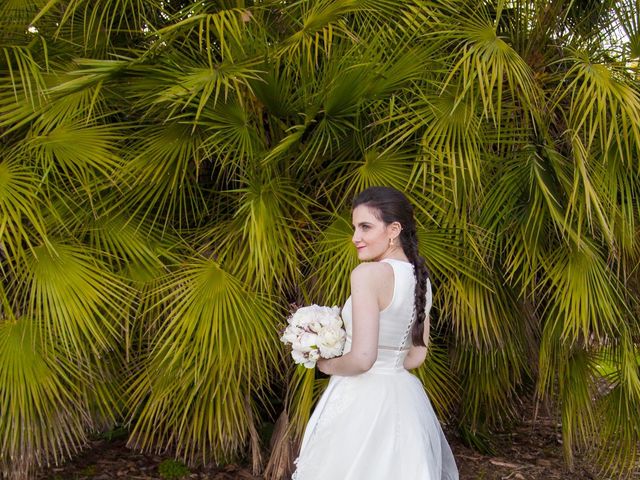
[(391, 205)]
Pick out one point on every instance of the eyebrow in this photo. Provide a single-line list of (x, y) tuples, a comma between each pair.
[(361, 223)]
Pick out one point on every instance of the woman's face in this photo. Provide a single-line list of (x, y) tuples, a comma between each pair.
[(371, 235)]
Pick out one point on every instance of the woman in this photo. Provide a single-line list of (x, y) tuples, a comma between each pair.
[(374, 421)]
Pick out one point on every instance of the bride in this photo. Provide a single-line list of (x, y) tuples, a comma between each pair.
[(374, 420)]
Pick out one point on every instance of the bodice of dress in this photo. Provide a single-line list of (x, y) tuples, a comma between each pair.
[(396, 320)]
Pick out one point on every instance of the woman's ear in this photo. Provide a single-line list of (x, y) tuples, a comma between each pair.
[(395, 228)]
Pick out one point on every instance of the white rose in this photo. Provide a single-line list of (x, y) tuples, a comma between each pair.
[(291, 334), (305, 342), (314, 326), (334, 322), (303, 359), (331, 342), (303, 316)]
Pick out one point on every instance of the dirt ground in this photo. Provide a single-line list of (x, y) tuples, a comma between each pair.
[(533, 450)]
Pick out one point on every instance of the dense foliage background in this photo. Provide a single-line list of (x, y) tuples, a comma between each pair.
[(175, 173)]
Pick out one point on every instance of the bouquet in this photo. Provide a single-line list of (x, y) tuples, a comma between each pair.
[(314, 332)]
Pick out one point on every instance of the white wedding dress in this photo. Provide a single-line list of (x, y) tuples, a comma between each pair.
[(378, 425)]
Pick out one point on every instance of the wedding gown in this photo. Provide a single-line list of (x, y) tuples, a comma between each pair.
[(378, 425)]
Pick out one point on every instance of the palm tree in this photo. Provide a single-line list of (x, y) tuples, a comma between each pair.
[(175, 173)]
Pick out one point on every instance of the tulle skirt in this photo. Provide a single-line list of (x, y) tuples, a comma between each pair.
[(375, 426)]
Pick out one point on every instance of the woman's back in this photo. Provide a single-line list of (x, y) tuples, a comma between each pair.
[(394, 338)]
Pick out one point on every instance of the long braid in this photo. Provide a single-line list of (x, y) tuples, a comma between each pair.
[(409, 241)]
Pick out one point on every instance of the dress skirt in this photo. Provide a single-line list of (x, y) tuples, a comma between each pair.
[(379, 425)]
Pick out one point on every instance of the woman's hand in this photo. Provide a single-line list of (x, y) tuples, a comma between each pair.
[(323, 365)]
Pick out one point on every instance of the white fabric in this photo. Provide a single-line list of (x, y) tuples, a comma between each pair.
[(378, 425)]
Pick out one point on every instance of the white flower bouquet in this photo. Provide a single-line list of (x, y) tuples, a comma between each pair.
[(314, 332)]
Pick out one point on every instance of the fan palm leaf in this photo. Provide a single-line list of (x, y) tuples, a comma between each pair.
[(439, 380), (262, 243), (164, 161), (628, 16), (77, 300), (99, 20), (41, 391), (215, 348), (219, 33), (76, 154), (612, 114), (20, 209), (616, 415), (334, 257), (586, 300)]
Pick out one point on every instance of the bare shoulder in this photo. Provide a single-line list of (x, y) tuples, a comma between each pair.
[(370, 272)]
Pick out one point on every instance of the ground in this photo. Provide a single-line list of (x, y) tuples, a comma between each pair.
[(531, 450)]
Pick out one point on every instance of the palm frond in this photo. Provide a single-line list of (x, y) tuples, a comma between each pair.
[(566, 375), (98, 20), (219, 34), (78, 302), (166, 159), (200, 85), (586, 300), (628, 15), (190, 394), (23, 72), (41, 392), (20, 209), (485, 62), (230, 138), (617, 410), (610, 116), (439, 380), (264, 243), (76, 153)]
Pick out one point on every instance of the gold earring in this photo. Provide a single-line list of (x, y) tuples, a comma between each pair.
[(391, 242)]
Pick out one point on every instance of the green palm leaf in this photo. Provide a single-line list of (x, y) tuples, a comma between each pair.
[(334, 257), (164, 160), (77, 153), (612, 113), (574, 368), (220, 32), (586, 301), (101, 17), (439, 380), (79, 303), (262, 243), (20, 209), (41, 392), (190, 393), (617, 413)]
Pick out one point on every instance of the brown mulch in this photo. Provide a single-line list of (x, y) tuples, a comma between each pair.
[(106, 460), (532, 450)]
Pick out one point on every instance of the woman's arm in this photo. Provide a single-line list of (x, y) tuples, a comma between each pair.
[(365, 283)]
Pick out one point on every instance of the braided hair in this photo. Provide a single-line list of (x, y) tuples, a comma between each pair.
[(391, 205)]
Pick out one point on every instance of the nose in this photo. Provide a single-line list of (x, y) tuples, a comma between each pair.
[(355, 238)]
